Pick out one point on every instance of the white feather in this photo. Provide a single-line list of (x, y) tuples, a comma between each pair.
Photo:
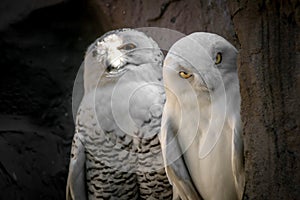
[(200, 111)]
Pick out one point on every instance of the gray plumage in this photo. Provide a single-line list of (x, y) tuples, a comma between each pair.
[(201, 126), (115, 152)]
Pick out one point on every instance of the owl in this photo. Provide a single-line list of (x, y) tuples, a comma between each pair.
[(201, 125), (116, 152)]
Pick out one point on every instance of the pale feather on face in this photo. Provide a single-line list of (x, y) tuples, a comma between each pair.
[(108, 49), (120, 51)]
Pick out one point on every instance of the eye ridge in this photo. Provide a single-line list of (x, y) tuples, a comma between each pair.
[(218, 58), (185, 75), (128, 46)]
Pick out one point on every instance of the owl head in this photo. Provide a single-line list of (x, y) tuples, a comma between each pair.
[(118, 52)]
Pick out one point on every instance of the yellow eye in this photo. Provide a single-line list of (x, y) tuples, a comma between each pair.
[(128, 46), (184, 74), (218, 58)]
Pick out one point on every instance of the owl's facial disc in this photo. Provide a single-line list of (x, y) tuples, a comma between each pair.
[(183, 71), (196, 79), (117, 60), (123, 51), (118, 67)]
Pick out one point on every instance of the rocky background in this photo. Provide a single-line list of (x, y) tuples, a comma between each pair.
[(42, 44)]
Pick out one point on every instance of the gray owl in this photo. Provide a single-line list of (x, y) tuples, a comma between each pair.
[(116, 153)]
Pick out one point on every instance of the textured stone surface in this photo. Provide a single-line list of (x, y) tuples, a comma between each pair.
[(269, 73), (42, 44), (184, 16)]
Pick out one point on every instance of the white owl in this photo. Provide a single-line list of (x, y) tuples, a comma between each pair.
[(201, 128)]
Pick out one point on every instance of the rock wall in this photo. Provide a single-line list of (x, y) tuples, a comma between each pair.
[(184, 16), (269, 73), (42, 44)]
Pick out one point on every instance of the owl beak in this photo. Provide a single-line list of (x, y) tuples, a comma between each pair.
[(111, 67), (115, 71)]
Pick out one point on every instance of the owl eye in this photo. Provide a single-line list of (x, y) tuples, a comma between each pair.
[(184, 74), (128, 46), (218, 58)]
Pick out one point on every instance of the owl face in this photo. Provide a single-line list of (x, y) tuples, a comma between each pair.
[(118, 53), (199, 64), (124, 50)]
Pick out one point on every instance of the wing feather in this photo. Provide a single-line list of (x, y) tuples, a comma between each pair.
[(238, 160), (175, 166), (76, 187)]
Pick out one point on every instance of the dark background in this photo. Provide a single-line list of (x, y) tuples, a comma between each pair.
[(41, 49), (42, 44)]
